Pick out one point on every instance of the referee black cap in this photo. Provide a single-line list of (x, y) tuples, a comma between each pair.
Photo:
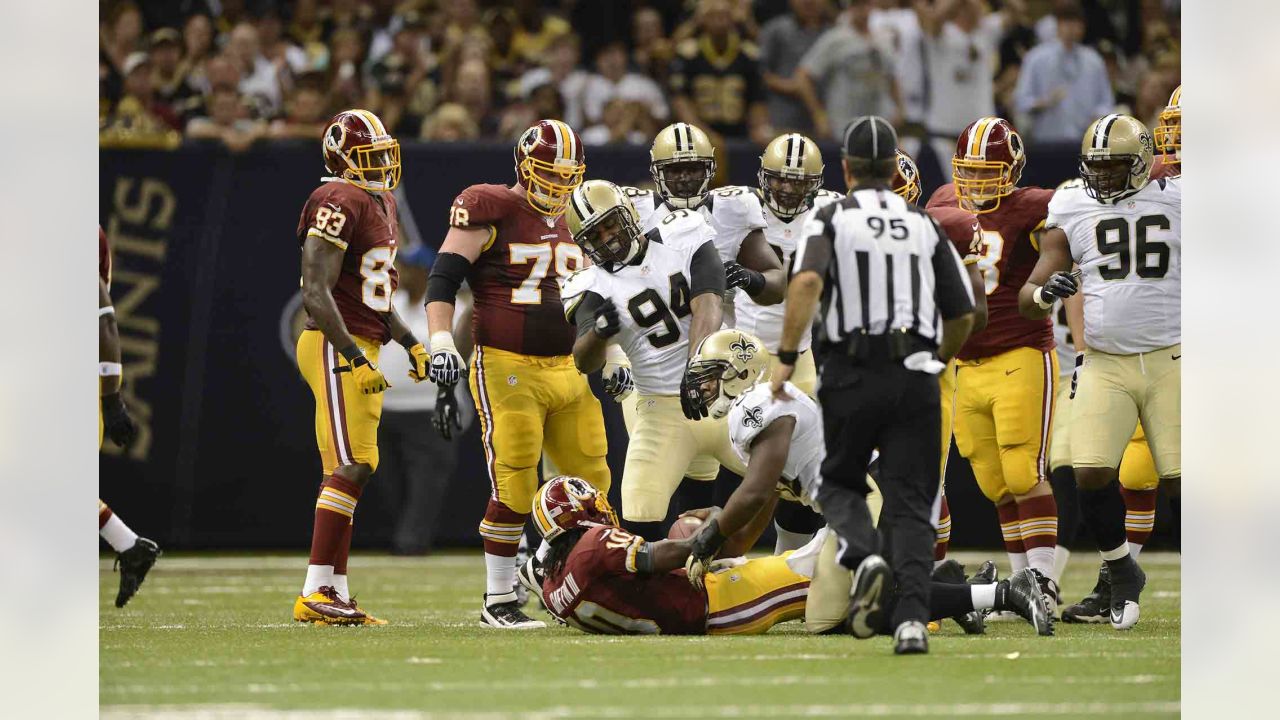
[(870, 137)]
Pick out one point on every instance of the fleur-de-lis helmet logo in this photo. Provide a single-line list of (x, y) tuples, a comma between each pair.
[(743, 349)]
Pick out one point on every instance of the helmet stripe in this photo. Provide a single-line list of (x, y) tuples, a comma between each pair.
[(789, 156), (559, 136), (364, 118), (799, 151), (688, 130), (1102, 130), (977, 135), (1176, 100), (567, 149), (675, 133)]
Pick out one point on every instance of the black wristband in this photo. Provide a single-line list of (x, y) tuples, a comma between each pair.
[(788, 357), (351, 352), (755, 282), (708, 540), (407, 340)]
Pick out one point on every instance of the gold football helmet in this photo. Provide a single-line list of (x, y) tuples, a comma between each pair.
[(1168, 133), (790, 174), (727, 364), (1115, 157), (605, 224), (682, 162)]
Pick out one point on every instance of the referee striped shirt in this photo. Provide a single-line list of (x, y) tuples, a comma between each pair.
[(886, 265)]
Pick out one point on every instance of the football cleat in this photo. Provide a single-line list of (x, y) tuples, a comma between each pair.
[(987, 574), (531, 577), (368, 619), (867, 604), (1095, 607), (1021, 593), (1050, 590), (134, 564), (507, 615), (327, 607), (1126, 586), (972, 622), (910, 639)]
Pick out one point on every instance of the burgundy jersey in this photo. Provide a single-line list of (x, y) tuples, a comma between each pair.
[(597, 590), (1010, 253), (365, 227), (962, 229), (516, 279), (104, 258), (1159, 169)]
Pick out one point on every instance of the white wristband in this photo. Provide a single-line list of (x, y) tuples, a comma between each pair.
[(108, 310), (443, 340), (1038, 296), (614, 356), (109, 369)]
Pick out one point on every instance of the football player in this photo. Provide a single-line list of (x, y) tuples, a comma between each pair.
[(1125, 233), (1168, 139), (134, 555), (1006, 375), (656, 295), (602, 579), (964, 232), (348, 232), (512, 247)]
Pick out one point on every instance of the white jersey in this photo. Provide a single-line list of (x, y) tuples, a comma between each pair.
[(1130, 253), (1062, 340), (765, 321), (652, 300), (756, 409), (732, 212)]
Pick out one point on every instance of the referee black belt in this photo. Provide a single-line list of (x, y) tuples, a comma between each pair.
[(861, 348)]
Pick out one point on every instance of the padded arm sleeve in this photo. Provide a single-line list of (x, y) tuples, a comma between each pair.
[(447, 275)]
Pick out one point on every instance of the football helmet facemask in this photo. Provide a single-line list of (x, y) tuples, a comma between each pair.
[(550, 164), (1168, 134), (1115, 157), (906, 180), (682, 162), (605, 224), (790, 175), (567, 503), (727, 364), (358, 149), (987, 164)]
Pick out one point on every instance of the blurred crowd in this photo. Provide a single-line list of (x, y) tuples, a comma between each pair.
[(246, 71)]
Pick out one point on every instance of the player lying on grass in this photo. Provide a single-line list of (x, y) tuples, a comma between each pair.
[(781, 440)]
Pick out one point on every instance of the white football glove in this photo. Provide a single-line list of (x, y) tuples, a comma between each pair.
[(618, 382), (447, 366)]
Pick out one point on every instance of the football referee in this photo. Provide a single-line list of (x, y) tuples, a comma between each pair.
[(896, 305)]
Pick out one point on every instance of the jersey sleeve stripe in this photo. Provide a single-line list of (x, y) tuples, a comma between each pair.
[(315, 232), (493, 235)]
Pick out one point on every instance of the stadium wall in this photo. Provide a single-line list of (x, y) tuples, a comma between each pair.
[(206, 284)]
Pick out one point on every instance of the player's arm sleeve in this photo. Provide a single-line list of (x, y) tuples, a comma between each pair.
[(583, 313), (953, 294), (817, 243), (476, 209), (328, 217), (706, 272)]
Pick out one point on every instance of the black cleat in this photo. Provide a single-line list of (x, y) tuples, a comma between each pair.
[(973, 622), (1021, 593), (1096, 606), (1127, 582), (506, 614), (134, 564), (1050, 590), (949, 571), (987, 573), (910, 638), (530, 575), (872, 584)]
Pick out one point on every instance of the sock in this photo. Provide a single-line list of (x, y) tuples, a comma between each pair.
[(543, 548), (1039, 517), (1063, 480), (1103, 512), (340, 584), (1060, 557), (983, 596), (501, 529), (318, 576), (788, 540), (1011, 528), (115, 532), (949, 600), (1139, 517), (344, 551), (943, 540), (335, 510)]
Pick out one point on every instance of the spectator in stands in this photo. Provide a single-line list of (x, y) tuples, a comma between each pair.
[(306, 29), (384, 23), (471, 88), (715, 79), (505, 61), (1063, 86), (230, 14), (536, 31), (168, 77), (343, 15), (403, 90), (197, 41), (346, 85), (612, 80), (450, 123), (961, 43), (784, 40), (1019, 38), (227, 122), (462, 24), (278, 49), (848, 73), (138, 112), (652, 51), (902, 28), (120, 37), (305, 114), (621, 122), (260, 81), (561, 69)]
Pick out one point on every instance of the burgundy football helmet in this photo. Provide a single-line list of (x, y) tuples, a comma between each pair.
[(550, 164), (906, 180), (566, 503), (988, 163), (358, 149)]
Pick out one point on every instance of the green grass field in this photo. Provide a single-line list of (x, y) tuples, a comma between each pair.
[(212, 637)]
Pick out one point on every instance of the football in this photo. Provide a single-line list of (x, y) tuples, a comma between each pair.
[(684, 527)]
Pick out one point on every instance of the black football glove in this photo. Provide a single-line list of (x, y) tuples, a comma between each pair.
[(1061, 285), (619, 383), (116, 422), (691, 398), (737, 276), (607, 323), (702, 551), (446, 418), (1075, 375)]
